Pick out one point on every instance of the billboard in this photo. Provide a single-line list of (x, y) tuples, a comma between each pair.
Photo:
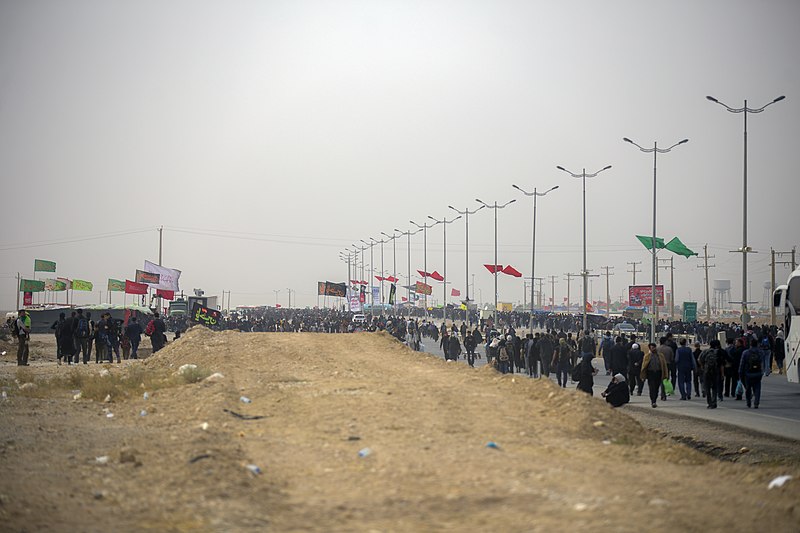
[(641, 295)]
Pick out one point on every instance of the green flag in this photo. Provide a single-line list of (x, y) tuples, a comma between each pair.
[(648, 242), (40, 265), (81, 285), (116, 285), (31, 285), (677, 247), (59, 286)]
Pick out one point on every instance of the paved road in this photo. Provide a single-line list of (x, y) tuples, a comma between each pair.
[(778, 414)]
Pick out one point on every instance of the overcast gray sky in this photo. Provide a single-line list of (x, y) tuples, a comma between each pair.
[(266, 137)]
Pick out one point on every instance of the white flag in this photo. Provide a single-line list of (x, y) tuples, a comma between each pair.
[(168, 276)]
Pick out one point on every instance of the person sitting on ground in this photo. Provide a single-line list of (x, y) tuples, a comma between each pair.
[(617, 392)]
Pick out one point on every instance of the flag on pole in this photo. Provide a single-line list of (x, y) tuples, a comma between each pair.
[(54, 285), (150, 278), (589, 308), (167, 295), (435, 275), (116, 285), (81, 285), (494, 268), (392, 279), (677, 247), (42, 265), (423, 288), (455, 292), (511, 271), (31, 285), (131, 287), (392, 293), (648, 242), (403, 298), (66, 282)]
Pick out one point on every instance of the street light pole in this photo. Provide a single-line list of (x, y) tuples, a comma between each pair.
[(585, 273), (466, 212), (745, 249), (424, 227), (393, 238), (535, 195), (655, 150), (496, 208), (444, 222), (408, 234), (371, 244)]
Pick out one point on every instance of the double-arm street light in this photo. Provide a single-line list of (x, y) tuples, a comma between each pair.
[(444, 222), (371, 244), (745, 249), (655, 150), (393, 238), (496, 207), (466, 213), (535, 194), (424, 227), (585, 273)]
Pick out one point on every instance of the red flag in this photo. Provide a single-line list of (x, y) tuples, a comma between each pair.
[(455, 292), (167, 295), (494, 268), (511, 271), (423, 274), (404, 298), (27, 298), (131, 287), (354, 281), (589, 307), (392, 279), (277, 306), (438, 277), (380, 278), (363, 282)]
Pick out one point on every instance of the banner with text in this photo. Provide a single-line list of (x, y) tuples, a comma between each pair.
[(641, 295), (169, 277)]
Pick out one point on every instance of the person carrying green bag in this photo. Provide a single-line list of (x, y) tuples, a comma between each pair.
[(668, 388)]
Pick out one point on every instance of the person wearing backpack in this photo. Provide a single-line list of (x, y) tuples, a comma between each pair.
[(711, 361), (751, 371), (81, 330), (503, 355), (654, 370)]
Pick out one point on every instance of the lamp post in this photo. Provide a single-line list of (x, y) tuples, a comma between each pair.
[(276, 291), (408, 235), (290, 297), (371, 244), (424, 227), (745, 249), (466, 213), (655, 150), (444, 222), (496, 208), (585, 273), (535, 194)]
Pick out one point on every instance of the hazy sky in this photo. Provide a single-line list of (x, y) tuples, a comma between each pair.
[(266, 137)]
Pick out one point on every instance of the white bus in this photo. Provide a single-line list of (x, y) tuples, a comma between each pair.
[(786, 300)]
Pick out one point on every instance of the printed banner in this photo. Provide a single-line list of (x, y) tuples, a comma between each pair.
[(150, 278), (131, 287), (423, 288), (392, 294), (27, 298), (81, 285), (641, 295), (169, 277), (205, 315), (376, 295), (116, 285), (31, 285), (66, 282), (328, 288), (54, 285), (320, 288), (689, 311), (41, 265)]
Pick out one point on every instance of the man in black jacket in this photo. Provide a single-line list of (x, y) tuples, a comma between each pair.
[(635, 357), (619, 358)]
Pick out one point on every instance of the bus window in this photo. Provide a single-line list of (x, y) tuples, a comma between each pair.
[(793, 295)]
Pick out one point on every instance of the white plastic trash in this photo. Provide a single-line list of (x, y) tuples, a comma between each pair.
[(778, 482)]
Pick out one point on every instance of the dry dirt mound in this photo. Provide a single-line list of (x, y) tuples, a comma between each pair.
[(422, 427)]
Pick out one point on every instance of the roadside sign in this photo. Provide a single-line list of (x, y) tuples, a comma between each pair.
[(689, 311)]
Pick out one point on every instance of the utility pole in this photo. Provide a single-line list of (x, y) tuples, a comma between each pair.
[(160, 243), (553, 292), (569, 282), (634, 270), (705, 266), (608, 274), (19, 282), (773, 263), (539, 297)]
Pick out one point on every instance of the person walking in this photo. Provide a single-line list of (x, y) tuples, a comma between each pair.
[(685, 364), (669, 356), (654, 370), (22, 329), (469, 347), (562, 361), (134, 333), (56, 327), (635, 358), (619, 357), (711, 361), (69, 345), (586, 374), (751, 370), (780, 350)]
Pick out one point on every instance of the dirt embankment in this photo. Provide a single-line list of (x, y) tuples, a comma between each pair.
[(423, 426)]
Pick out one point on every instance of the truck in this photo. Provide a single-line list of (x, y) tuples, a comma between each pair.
[(786, 300)]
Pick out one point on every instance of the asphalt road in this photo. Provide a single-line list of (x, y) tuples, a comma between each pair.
[(778, 414)]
